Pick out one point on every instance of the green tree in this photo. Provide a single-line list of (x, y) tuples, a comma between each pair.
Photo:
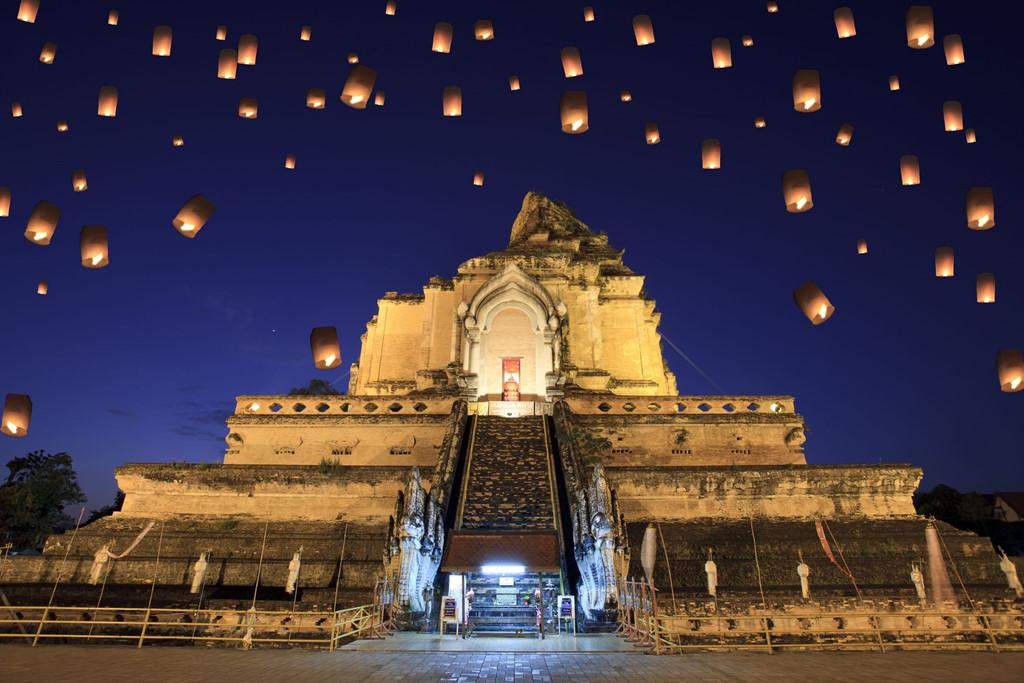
[(33, 497), (316, 387), (106, 510)]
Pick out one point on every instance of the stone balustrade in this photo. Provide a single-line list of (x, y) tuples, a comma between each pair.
[(341, 405), (611, 404)]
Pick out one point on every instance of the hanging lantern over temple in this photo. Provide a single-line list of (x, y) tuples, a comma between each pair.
[(711, 154), (227, 64), (222, 33), (352, 58), (772, 7), (813, 303), (572, 64), (358, 86), (27, 11), (845, 135), (42, 223), (651, 133), (306, 33), (16, 111), (981, 208), (862, 246), (796, 191), (513, 83), (806, 90), (248, 45), (289, 162), (193, 215), (162, 41), (94, 247), (747, 41), (643, 30), (970, 136), (1010, 367), (625, 96), (910, 170), (478, 179), (442, 37), (894, 83), (248, 108), (588, 14), (920, 27), (78, 181), (113, 17), (107, 101), (48, 53), (952, 116), (316, 98), (5, 202), (845, 26), (378, 98), (721, 53), (953, 46), (759, 122), (483, 29), (944, 264), (390, 7), (574, 113), (451, 101), (323, 342), (42, 288), (177, 141), (62, 127), (17, 409), (986, 288)]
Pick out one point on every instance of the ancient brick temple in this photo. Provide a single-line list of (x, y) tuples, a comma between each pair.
[(513, 428)]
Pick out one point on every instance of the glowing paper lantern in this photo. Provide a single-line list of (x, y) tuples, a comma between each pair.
[(5, 202), (651, 134), (42, 223), (759, 122), (572, 64), (747, 41), (248, 108), (513, 83), (944, 263), (643, 30), (920, 27), (113, 17), (62, 127), (27, 11), (478, 179), (177, 141), (796, 191), (483, 29), (378, 98), (316, 98), (162, 41), (222, 33), (352, 58), (862, 246), (588, 14), (806, 90), (953, 46), (574, 112), (442, 37), (289, 162), (193, 215), (451, 101), (894, 83), (970, 136), (625, 96), (323, 342), (910, 170), (227, 64), (42, 288), (721, 53), (306, 33), (248, 45), (390, 7), (845, 26), (952, 116), (94, 247), (358, 86), (1010, 367), (986, 288), (78, 181), (981, 208), (17, 407), (16, 111), (845, 135), (772, 7), (813, 303), (107, 105), (711, 154), (48, 53)]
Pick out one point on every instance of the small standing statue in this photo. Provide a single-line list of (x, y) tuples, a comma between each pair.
[(1010, 570), (712, 571), (99, 563), (199, 572), (293, 571), (803, 571), (918, 578)]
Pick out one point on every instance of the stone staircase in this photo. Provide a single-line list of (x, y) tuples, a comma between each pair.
[(508, 487)]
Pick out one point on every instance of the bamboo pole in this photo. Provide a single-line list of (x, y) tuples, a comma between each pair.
[(668, 566), (152, 587), (757, 564), (60, 572), (259, 567)]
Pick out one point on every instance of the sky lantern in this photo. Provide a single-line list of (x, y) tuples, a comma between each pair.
[(358, 86), (483, 29), (721, 53), (352, 58), (1010, 367), (5, 202), (625, 96), (981, 208), (248, 45), (513, 83), (316, 98), (478, 179), (248, 108), (643, 30), (94, 247), (17, 407), (378, 98), (747, 41), (177, 141), (845, 135), (944, 263), (651, 134), (952, 116), (390, 7), (920, 27), (323, 342), (48, 53), (772, 7), (162, 41), (107, 105), (894, 83), (306, 33), (806, 90), (910, 170), (42, 288), (813, 303), (227, 64), (970, 136), (42, 223), (27, 11), (588, 14), (796, 191), (193, 215), (986, 288), (711, 154), (78, 181), (451, 100), (289, 162), (16, 111), (442, 37), (953, 46), (574, 112), (759, 122), (62, 127), (222, 32), (862, 247), (113, 16), (572, 63), (845, 26)]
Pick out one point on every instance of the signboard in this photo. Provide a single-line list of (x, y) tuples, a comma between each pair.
[(507, 581), (449, 613), (567, 612)]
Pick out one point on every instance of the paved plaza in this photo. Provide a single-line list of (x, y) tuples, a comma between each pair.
[(102, 664)]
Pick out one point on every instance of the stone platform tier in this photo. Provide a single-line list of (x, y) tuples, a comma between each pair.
[(508, 484)]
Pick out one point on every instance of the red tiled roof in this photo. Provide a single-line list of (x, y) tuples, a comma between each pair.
[(467, 551)]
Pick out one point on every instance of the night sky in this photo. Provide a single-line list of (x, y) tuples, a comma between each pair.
[(140, 361)]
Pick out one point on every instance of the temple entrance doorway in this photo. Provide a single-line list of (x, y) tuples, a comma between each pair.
[(510, 379), (504, 600)]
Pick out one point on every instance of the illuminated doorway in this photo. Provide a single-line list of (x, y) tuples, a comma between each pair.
[(510, 379)]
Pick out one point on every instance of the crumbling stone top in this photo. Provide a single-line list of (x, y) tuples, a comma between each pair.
[(542, 214)]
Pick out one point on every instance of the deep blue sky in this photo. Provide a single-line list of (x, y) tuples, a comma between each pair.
[(141, 361)]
